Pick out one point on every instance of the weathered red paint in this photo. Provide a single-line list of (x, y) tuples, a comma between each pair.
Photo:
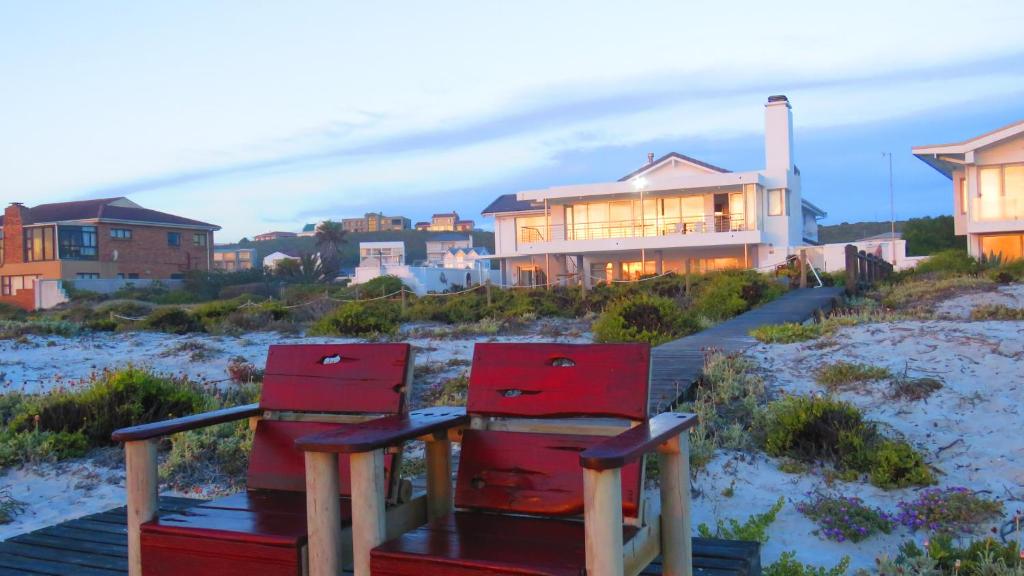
[(546, 380)]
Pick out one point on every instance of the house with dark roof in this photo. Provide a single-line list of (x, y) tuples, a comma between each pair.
[(673, 213), (107, 238)]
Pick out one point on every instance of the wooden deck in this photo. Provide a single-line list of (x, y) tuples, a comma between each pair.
[(678, 364), (96, 545)]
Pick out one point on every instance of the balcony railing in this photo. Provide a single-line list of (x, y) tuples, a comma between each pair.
[(705, 224)]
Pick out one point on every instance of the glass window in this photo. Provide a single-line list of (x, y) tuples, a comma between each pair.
[(39, 244), (1013, 192), (199, 239), (990, 193), (963, 195), (1005, 246), (174, 238), (121, 233), (530, 229), (777, 202), (87, 276), (77, 242), (692, 208)]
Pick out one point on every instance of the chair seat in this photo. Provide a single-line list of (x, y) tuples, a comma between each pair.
[(475, 543), (251, 532)]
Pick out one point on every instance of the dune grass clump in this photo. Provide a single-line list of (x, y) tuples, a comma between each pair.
[(825, 430), (644, 318), (997, 312), (840, 374)]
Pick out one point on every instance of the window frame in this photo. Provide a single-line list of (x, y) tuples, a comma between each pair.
[(123, 234), (199, 239), (177, 242), (783, 202), (48, 252)]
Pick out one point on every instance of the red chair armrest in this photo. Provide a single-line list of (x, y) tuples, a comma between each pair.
[(174, 425), (384, 432), (619, 450)]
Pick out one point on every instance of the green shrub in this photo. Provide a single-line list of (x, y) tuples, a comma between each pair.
[(996, 312), (942, 555), (755, 529), (217, 455), (9, 312), (451, 392), (645, 318), (359, 319), (723, 295), (839, 374), (787, 333), (172, 320), (37, 327), (952, 261), (379, 286), (788, 565), (30, 446), (117, 399), (813, 429)]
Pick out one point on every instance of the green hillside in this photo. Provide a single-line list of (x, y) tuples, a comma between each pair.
[(850, 232), (415, 244)]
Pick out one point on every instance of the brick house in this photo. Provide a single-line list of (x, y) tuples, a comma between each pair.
[(91, 239)]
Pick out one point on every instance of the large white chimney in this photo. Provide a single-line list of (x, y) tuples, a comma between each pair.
[(778, 136)]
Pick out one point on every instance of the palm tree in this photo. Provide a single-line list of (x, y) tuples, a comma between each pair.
[(330, 237)]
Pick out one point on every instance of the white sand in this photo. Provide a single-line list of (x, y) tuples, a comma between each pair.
[(1011, 295)]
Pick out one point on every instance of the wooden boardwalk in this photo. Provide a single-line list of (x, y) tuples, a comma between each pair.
[(677, 365), (96, 545)]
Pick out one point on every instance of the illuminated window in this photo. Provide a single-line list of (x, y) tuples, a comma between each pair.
[(963, 195), (777, 202), (1005, 246)]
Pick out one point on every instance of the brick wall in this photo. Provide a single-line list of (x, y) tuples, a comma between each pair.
[(14, 238), (24, 299), (150, 256)]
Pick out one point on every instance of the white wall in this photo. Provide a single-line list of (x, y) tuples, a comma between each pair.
[(424, 279), (832, 257)]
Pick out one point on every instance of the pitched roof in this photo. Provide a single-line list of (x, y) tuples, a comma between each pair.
[(309, 228), (479, 250), (119, 209), (670, 156), (509, 203), (947, 158)]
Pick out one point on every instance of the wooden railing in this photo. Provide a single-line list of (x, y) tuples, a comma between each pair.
[(863, 269)]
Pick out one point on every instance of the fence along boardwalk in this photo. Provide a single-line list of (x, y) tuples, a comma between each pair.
[(97, 545), (677, 365)]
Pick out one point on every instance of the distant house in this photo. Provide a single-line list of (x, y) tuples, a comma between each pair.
[(378, 259), (375, 222), (467, 257), (439, 244), (987, 172), (101, 239), (308, 230), (446, 222), (233, 259), (276, 235), (272, 260), (381, 254)]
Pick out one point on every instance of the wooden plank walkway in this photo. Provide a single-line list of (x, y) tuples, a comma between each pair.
[(96, 545), (677, 365)]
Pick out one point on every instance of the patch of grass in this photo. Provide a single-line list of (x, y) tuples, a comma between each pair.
[(195, 350), (33, 446), (916, 292), (451, 392), (915, 389), (754, 529), (380, 317), (953, 261), (217, 455), (787, 333), (9, 506), (788, 565), (837, 375), (173, 320), (20, 329), (996, 312), (814, 429)]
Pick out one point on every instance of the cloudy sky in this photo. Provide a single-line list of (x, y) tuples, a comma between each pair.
[(265, 115)]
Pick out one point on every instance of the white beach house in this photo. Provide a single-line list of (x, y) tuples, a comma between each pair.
[(988, 189), (673, 212)]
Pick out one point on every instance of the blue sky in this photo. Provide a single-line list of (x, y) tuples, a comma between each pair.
[(259, 115)]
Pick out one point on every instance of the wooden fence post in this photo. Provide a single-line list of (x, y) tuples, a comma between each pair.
[(862, 267), (677, 547), (851, 269), (141, 484)]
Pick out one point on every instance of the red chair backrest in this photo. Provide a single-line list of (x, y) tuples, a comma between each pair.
[(322, 378), (540, 473)]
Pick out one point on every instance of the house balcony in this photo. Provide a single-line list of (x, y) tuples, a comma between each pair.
[(659, 233)]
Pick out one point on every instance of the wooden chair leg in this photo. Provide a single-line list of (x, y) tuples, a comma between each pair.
[(368, 528), (323, 513), (142, 487), (676, 543), (439, 477), (602, 518)]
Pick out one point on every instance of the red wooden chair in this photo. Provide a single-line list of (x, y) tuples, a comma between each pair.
[(550, 477), (306, 389)]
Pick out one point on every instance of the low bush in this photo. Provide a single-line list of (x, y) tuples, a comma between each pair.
[(645, 318), (941, 555), (907, 388), (837, 375), (241, 371), (9, 312), (787, 333), (173, 320), (37, 327), (814, 429), (953, 261), (217, 455), (842, 518), (377, 287), (723, 295), (754, 529), (788, 565), (372, 318), (32, 446), (996, 312), (949, 511), (116, 399)]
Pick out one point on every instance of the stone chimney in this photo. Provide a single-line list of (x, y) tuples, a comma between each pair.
[(15, 216), (778, 136), (650, 158)]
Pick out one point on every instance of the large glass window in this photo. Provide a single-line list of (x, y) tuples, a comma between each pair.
[(777, 202), (963, 195), (174, 239), (531, 229), (989, 194), (1005, 246), (78, 242), (39, 244)]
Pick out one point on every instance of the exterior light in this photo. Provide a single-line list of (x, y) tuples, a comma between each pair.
[(639, 183)]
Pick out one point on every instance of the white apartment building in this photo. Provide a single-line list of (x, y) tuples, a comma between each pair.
[(988, 189), (674, 213)]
